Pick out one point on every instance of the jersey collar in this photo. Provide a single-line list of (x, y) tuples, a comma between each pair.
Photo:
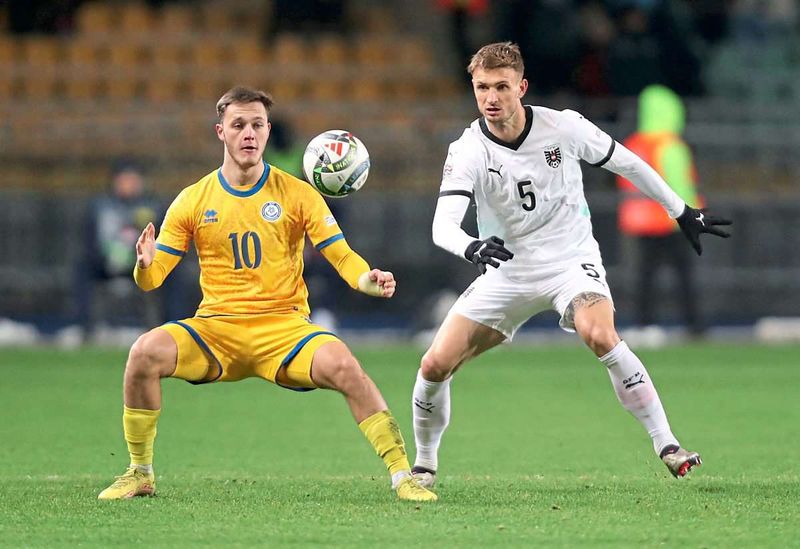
[(249, 192), (516, 144)]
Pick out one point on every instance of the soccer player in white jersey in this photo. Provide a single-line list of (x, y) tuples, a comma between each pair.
[(520, 163)]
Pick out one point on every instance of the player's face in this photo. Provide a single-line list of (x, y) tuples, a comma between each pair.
[(245, 130), (498, 92)]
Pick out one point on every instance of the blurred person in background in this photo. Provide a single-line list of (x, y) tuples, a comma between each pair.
[(284, 152), (762, 21), (41, 16), (548, 34), (660, 244), (103, 278), (308, 16), (633, 56), (460, 13), (653, 45), (535, 250)]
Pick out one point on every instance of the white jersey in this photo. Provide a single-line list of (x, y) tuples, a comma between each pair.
[(530, 192)]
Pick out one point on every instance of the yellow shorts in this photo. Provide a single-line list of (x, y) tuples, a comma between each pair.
[(275, 347)]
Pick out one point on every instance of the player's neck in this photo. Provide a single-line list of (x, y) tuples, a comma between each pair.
[(510, 129), (237, 176)]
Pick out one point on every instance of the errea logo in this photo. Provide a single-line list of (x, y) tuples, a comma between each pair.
[(210, 216)]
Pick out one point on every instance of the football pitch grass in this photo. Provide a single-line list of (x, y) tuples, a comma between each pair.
[(539, 453)]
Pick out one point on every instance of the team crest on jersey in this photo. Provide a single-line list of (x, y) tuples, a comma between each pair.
[(552, 153), (271, 211)]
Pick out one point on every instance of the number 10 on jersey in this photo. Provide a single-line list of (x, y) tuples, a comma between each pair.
[(242, 250)]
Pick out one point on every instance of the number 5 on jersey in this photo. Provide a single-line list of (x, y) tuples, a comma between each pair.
[(242, 250), (529, 199)]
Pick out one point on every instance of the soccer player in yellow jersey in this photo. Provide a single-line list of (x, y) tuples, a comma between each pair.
[(249, 221)]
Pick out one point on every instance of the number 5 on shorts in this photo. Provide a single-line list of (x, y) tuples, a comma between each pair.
[(590, 270)]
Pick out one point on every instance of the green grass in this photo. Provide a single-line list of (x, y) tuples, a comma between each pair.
[(538, 453)]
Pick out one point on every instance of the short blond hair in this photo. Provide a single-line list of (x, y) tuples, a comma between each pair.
[(497, 56), (243, 94)]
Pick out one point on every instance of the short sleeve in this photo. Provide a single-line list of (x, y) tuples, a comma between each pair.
[(320, 225), (178, 226), (589, 142), (460, 172)]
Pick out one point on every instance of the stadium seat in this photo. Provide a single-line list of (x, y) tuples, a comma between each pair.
[(168, 56), (289, 49), (376, 19), (163, 86), (136, 19), (208, 53), (42, 53), (247, 55), (215, 17), (120, 85), (8, 60), (41, 56), (287, 90), (81, 85), (331, 50), (205, 87), (326, 88), (126, 54), (81, 53), (95, 18), (372, 51), (8, 51), (370, 88), (175, 19)]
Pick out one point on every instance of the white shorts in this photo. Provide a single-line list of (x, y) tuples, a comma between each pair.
[(505, 304)]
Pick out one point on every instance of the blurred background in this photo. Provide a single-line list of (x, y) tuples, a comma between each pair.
[(107, 111)]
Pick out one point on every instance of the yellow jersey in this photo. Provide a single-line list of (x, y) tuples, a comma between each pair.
[(249, 241)]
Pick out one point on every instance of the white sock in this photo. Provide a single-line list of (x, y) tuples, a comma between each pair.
[(637, 394), (146, 469), (398, 476), (431, 406)]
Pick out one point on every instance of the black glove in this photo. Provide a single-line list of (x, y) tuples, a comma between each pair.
[(487, 252), (693, 222)]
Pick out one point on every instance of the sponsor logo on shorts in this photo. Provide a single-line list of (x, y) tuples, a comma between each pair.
[(271, 211)]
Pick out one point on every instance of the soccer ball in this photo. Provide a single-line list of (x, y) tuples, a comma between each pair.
[(336, 163)]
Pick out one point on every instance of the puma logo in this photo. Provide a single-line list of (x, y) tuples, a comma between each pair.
[(700, 216), (427, 406), (497, 171)]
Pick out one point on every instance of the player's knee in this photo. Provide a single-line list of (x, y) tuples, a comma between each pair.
[(599, 338), (344, 373), (149, 356), (435, 367)]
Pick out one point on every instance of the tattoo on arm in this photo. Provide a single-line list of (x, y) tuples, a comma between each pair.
[(586, 299)]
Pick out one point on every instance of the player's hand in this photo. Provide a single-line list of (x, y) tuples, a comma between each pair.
[(487, 252), (695, 222), (378, 283), (146, 247)]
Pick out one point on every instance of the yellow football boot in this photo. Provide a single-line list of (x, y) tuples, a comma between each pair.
[(409, 489), (131, 484)]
